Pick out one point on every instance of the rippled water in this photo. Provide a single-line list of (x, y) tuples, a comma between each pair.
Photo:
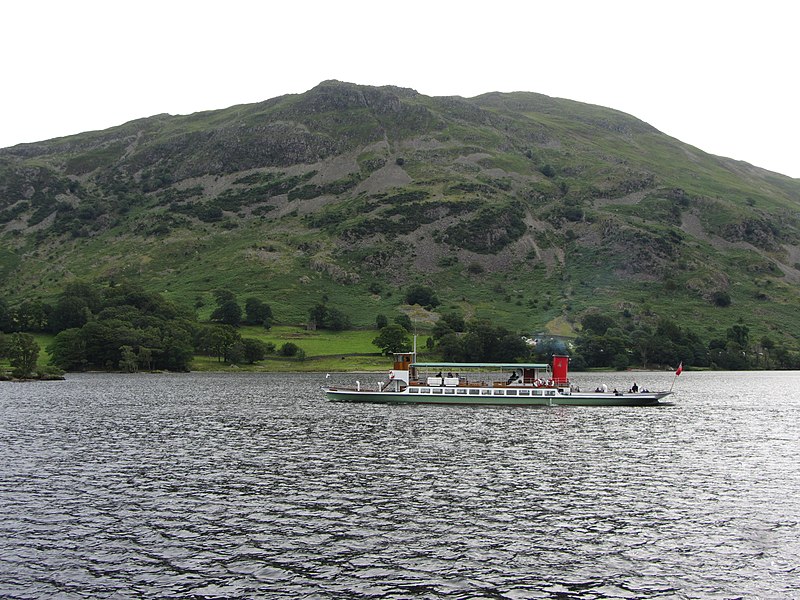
[(246, 486)]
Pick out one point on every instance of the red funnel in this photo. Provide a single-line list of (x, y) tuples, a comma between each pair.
[(560, 369)]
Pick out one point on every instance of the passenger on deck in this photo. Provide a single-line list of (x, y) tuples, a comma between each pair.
[(513, 377), (634, 388)]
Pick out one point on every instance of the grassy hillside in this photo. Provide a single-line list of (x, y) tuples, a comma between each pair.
[(520, 208)]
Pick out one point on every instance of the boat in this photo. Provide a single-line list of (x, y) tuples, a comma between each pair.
[(511, 384)]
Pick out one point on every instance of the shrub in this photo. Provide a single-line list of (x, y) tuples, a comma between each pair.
[(289, 349), (721, 299)]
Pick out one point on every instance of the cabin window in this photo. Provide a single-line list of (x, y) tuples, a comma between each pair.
[(461, 392), (498, 392), (511, 392), (413, 390), (524, 393), (449, 391), (437, 391), (486, 392), (537, 392), (425, 390), (474, 392), (550, 393)]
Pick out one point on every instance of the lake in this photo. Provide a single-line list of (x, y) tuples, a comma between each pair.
[(253, 486)]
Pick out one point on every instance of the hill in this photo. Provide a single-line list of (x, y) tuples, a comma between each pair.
[(527, 210)]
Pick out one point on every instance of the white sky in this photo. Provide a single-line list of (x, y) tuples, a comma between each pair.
[(720, 75)]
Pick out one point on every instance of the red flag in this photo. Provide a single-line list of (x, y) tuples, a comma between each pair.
[(680, 369)]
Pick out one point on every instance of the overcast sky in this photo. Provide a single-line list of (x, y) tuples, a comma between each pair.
[(720, 75)]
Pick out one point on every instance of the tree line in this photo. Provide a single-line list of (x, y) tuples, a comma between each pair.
[(604, 341), (122, 326)]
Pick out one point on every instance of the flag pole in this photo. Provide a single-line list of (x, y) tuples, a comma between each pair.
[(678, 371)]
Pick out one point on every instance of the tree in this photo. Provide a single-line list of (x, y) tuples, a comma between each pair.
[(91, 294), (145, 358), (336, 320), (422, 295), (381, 321), (392, 338), (721, 299), (596, 323), (257, 312), (254, 350), (32, 315), (449, 323), (483, 342), (450, 347), (6, 320), (289, 349), (325, 317), (228, 313), (405, 322), (69, 312), (740, 334), (219, 341), (68, 350), (645, 344), (223, 296), (128, 362), (176, 346), (23, 354)]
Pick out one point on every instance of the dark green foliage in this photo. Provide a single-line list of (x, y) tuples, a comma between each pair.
[(31, 315), (289, 349), (228, 311), (257, 312), (123, 322), (422, 295), (381, 321), (596, 323), (397, 218), (448, 323), (404, 321), (334, 188), (720, 298), (325, 317), (68, 350), (23, 353), (483, 342), (219, 341), (69, 312), (255, 350), (392, 338), (491, 230), (604, 343)]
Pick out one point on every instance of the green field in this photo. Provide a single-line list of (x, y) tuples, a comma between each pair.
[(325, 351)]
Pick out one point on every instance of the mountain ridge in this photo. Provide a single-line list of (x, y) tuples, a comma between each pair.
[(515, 206)]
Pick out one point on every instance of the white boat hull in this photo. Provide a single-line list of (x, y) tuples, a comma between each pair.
[(499, 397)]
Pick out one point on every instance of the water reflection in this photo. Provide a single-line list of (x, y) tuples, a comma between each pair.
[(207, 485)]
